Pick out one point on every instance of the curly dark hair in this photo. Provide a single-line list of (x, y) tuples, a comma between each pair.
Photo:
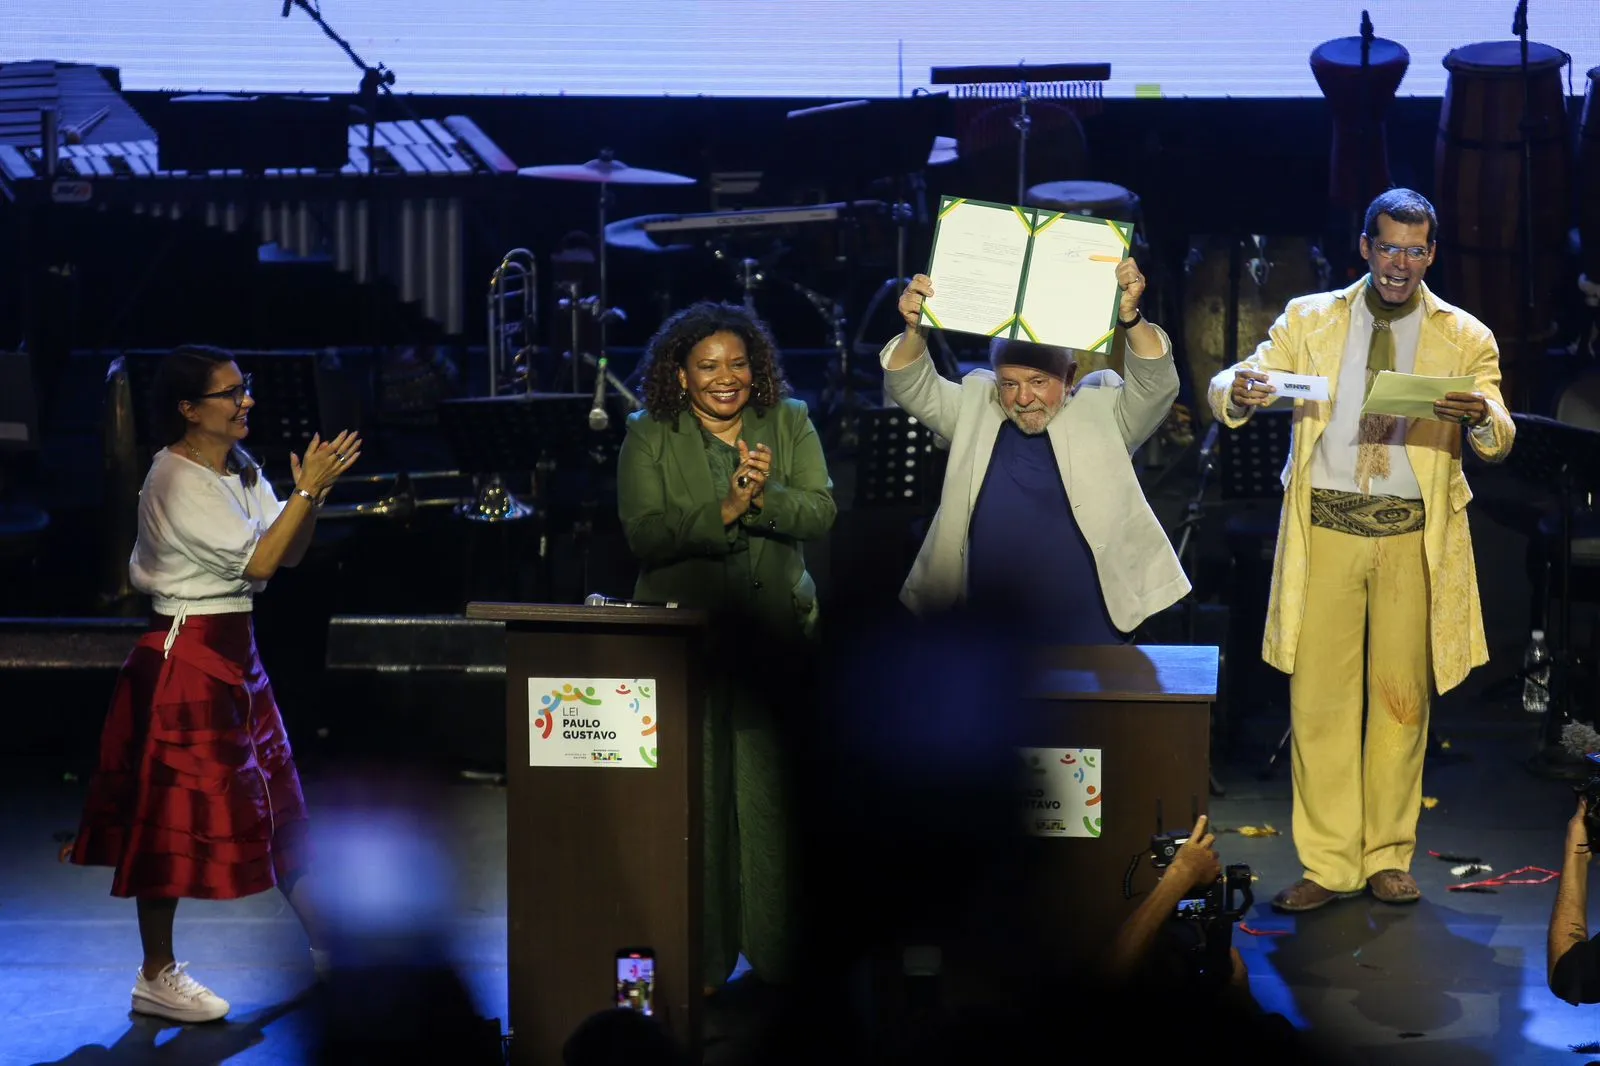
[(668, 352)]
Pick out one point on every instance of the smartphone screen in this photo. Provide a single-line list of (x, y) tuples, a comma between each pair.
[(636, 980)]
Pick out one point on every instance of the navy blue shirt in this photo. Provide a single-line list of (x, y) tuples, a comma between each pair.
[(1026, 558)]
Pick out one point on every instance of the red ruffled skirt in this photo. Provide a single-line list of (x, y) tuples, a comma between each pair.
[(196, 794)]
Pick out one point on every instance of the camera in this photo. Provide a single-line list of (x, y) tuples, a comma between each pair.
[(1202, 925), (1590, 791)]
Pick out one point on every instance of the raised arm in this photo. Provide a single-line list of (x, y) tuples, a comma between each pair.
[(908, 371), (1149, 385), (1569, 959), (211, 530)]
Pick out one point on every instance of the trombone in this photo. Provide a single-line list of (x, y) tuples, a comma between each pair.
[(513, 321)]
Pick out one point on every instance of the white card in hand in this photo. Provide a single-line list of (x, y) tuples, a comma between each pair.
[(1299, 386)]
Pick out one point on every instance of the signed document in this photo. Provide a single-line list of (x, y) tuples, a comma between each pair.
[(1026, 273), (1411, 395)]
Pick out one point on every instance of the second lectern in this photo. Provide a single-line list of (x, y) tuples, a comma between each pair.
[(604, 849)]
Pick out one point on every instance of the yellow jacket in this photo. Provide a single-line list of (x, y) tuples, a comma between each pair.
[(1309, 338)]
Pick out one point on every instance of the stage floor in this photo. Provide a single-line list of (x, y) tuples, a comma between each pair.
[(1458, 978)]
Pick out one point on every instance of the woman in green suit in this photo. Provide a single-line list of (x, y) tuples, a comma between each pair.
[(720, 482)]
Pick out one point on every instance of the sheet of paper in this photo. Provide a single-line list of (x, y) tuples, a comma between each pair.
[(1299, 386), (979, 252), (1411, 395), (1071, 291)]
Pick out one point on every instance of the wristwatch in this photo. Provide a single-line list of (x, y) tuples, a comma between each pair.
[(1138, 317)]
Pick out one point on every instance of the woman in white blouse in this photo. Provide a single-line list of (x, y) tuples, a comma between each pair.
[(196, 794)]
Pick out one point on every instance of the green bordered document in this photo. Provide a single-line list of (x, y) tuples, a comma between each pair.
[(1026, 273)]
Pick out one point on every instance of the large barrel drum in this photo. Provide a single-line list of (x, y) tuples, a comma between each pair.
[(1359, 97), (1478, 165)]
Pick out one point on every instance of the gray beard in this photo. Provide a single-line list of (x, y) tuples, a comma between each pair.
[(1015, 417)]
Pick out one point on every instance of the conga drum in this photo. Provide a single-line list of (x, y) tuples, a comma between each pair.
[(1359, 99), (1102, 199), (1478, 160), (1589, 178)]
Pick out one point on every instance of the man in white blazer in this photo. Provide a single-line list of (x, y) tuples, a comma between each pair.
[(1042, 519)]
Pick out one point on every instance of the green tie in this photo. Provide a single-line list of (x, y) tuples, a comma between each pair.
[(1380, 349)]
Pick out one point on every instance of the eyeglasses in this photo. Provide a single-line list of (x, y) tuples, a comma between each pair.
[(1414, 254), (237, 393)]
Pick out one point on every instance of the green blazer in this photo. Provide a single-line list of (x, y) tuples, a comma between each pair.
[(671, 516)]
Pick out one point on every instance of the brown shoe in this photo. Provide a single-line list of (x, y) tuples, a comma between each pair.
[(1394, 886), (1306, 895)]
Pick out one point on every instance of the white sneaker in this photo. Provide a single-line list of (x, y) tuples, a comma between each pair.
[(174, 995)]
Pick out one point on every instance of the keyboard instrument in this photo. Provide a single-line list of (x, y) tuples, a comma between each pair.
[(405, 193)]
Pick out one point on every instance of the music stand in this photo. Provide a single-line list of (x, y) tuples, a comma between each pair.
[(1565, 460), (898, 462), (533, 433), (1251, 468), (1253, 456)]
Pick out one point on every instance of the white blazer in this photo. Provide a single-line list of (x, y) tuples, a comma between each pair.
[(1094, 436)]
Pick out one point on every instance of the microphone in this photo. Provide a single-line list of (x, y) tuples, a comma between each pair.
[(594, 599), (1209, 445), (1519, 21), (598, 419), (1366, 26), (288, 5)]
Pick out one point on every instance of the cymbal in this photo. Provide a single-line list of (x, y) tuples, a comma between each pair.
[(609, 171)]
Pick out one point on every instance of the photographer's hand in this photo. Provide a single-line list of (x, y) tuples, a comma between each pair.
[(1196, 864)]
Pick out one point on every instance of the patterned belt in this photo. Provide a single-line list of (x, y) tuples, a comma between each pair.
[(1361, 515)]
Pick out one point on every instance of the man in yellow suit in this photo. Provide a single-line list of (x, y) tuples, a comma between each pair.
[(1374, 556)]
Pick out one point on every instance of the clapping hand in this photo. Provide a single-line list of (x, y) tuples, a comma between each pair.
[(745, 486), (324, 462), (759, 464)]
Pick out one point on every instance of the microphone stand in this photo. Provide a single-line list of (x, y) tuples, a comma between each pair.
[(1193, 515), (375, 83), (1519, 26), (1364, 191)]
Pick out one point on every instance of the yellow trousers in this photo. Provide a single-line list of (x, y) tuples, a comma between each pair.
[(1357, 794)]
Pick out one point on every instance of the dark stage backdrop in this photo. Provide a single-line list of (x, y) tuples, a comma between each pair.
[(773, 48)]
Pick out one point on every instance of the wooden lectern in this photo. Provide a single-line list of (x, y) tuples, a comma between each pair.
[(601, 854), (1147, 708)]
